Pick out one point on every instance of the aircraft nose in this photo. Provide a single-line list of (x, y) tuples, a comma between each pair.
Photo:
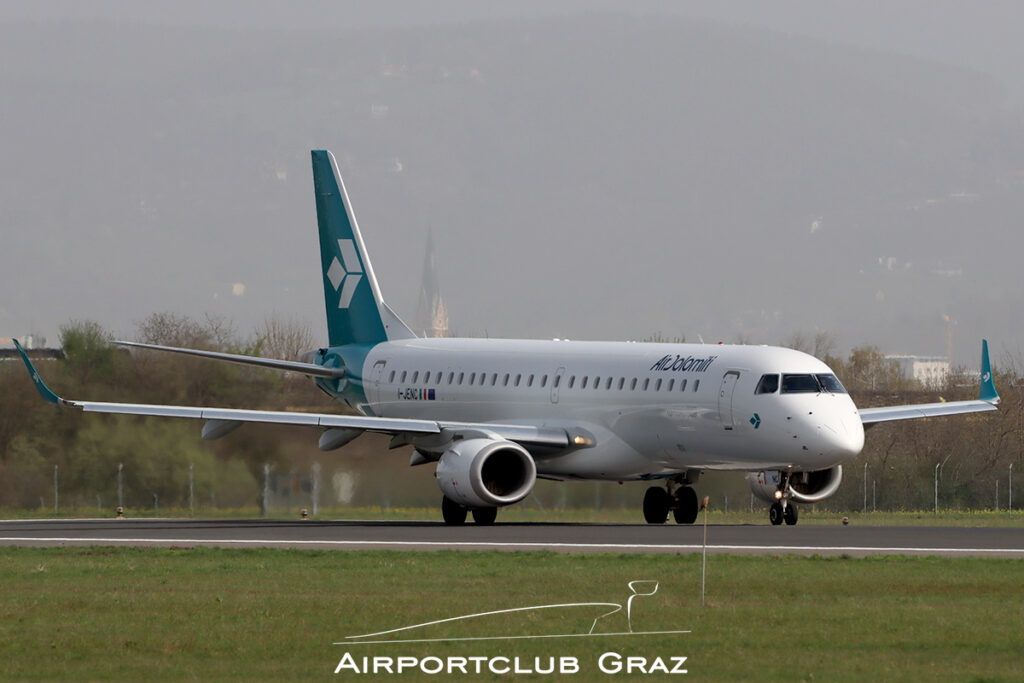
[(841, 438)]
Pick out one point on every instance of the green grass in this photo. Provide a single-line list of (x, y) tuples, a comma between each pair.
[(520, 513), (210, 614)]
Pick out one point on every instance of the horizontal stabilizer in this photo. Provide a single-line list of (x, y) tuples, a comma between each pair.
[(311, 369)]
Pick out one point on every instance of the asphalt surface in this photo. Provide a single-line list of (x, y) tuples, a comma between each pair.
[(576, 538)]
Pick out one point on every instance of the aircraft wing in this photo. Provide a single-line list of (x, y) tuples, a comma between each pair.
[(527, 435), (872, 415), (988, 399)]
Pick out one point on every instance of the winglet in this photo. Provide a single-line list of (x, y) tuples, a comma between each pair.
[(44, 390), (988, 388)]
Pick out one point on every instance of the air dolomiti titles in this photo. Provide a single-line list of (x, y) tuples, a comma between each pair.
[(679, 364)]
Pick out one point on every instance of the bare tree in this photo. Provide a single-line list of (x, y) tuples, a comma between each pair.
[(797, 341), (174, 329), (284, 338)]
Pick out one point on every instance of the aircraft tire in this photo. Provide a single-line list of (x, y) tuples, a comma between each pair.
[(775, 514), (656, 505), (791, 514), (687, 506), (453, 513), (485, 516)]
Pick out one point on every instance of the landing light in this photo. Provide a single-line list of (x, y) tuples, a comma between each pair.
[(778, 495), (582, 441)]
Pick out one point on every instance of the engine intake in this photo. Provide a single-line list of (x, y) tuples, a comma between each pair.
[(482, 472), (804, 487)]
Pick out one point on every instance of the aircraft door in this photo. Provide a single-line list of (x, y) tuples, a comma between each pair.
[(556, 381), (376, 377), (725, 398)]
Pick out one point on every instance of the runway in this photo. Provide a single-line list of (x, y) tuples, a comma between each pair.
[(568, 538)]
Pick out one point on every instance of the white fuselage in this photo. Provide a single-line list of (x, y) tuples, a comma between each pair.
[(652, 409)]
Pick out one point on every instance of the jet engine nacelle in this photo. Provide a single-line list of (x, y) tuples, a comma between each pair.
[(482, 472), (804, 487)]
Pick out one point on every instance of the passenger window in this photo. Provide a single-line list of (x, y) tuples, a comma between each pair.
[(426, 377), (597, 382), (415, 376), (529, 381), (451, 377), (461, 375), (572, 380), (472, 378), (696, 384), (682, 385), (483, 378), (403, 376), (647, 383), (543, 381), (558, 380), (583, 385), (518, 377), (622, 383), (657, 385), (769, 384), (391, 377), (439, 377), (632, 385), (671, 383), (608, 384), (506, 380), (494, 379)]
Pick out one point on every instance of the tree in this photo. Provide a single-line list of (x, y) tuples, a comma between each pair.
[(87, 351), (820, 345), (214, 333), (283, 338), (868, 369)]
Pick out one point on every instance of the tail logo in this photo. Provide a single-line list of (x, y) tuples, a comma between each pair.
[(345, 277)]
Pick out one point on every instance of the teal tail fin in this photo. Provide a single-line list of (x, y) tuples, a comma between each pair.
[(988, 386), (356, 313)]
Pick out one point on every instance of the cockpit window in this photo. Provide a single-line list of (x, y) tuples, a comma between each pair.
[(831, 383), (800, 384), (810, 384), (769, 384)]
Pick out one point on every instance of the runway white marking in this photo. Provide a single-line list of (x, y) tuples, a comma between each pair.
[(505, 545)]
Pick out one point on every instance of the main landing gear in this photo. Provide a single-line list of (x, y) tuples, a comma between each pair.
[(677, 497), (454, 514), (783, 511)]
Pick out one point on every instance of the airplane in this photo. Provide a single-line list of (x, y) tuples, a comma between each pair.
[(497, 414)]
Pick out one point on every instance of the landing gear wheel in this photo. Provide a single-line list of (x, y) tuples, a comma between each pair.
[(485, 516), (687, 507), (775, 514), (790, 514), (453, 513), (656, 505)]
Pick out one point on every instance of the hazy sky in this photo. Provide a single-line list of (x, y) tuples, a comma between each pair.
[(739, 170)]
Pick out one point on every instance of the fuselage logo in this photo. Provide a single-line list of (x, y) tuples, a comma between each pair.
[(345, 277), (679, 363)]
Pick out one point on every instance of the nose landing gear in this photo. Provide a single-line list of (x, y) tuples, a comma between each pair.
[(783, 511)]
